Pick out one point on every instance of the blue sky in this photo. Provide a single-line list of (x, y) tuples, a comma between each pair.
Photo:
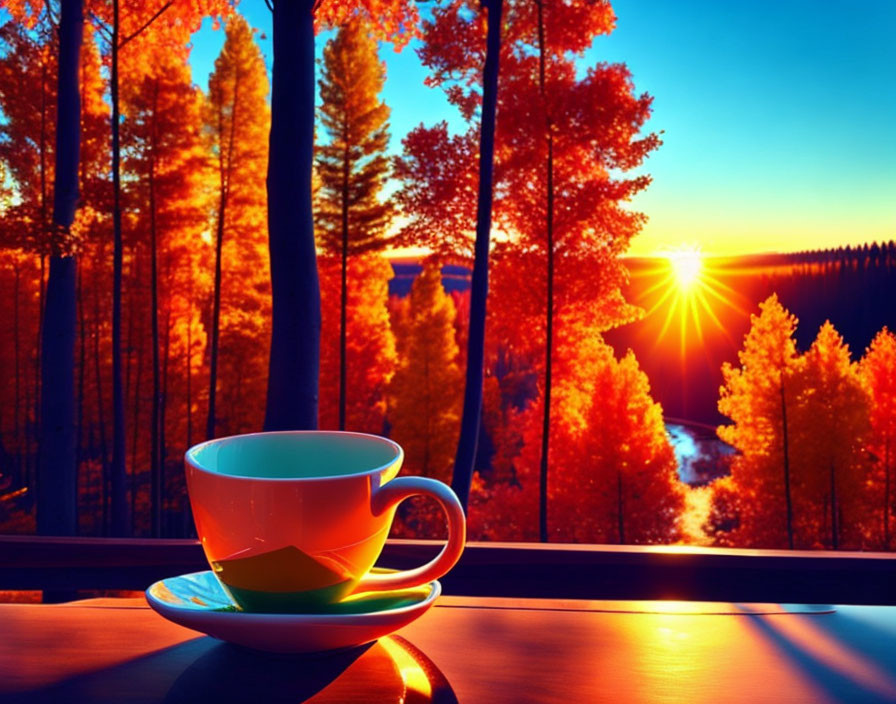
[(779, 118)]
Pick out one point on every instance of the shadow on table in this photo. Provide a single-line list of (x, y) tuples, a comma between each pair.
[(390, 670), (847, 658), (205, 669)]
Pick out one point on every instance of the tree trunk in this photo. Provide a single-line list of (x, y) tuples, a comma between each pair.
[(464, 460), (835, 524), (887, 494), (549, 304), (120, 520), (135, 432), (57, 500), (155, 454), (620, 510), (17, 345), (786, 463), (295, 339), (190, 369), (79, 396), (163, 407), (216, 313), (343, 290), (56, 505), (101, 416), (224, 173)]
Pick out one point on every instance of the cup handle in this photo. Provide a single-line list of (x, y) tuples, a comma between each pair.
[(394, 492)]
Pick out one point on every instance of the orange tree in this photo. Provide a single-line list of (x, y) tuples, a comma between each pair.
[(169, 166), (559, 191), (370, 356), (294, 364), (425, 409), (615, 471), (48, 47), (237, 119), (831, 424), (151, 31), (352, 217), (759, 396), (878, 371)]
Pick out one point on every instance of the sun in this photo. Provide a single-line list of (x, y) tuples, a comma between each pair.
[(687, 265), (687, 294)]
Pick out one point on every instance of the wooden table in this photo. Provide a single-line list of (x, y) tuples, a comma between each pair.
[(489, 650)]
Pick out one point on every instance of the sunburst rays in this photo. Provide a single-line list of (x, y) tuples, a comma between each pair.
[(684, 291)]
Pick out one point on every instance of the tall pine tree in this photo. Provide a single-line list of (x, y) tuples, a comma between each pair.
[(878, 370), (351, 217), (833, 417), (427, 384), (162, 138), (760, 396), (237, 119)]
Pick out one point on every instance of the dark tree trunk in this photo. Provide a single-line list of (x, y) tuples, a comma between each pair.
[(786, 442), (343, 291), (887, 494), (101, 416), (79, 396), (17, 345), (190, 371), (620, 510), (216, 314), (135, 487), (163, 407), (56, 505), (224, 173), (549, 304), (155, 454), (464, 460), (120, 519), (835, 524), (295, 340), (57, 500)]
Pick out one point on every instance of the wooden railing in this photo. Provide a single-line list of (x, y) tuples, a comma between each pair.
[(499, 569)]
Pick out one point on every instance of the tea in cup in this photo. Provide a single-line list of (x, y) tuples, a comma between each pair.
[(295, 520)]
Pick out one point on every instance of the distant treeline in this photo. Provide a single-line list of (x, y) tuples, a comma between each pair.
[(853, 287)]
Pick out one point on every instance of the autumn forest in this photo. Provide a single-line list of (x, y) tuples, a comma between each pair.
[(174, 234)]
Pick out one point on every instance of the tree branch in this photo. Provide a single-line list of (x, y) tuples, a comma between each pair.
[(146, 24), (101, 26), (270, 4), (54, 20)]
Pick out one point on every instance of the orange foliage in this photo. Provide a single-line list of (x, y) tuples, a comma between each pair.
[(237, 119), (613, 473), (425, 393), (757, 396), (830, 428), (389, 20), (590, 147), (801, 425), (165, 152), (352, 166), (370, 345), (878, 371)]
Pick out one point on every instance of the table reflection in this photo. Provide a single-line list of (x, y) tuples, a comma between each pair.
[(390, 670)]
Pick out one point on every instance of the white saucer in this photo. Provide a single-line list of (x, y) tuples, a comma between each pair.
[(197, 601)]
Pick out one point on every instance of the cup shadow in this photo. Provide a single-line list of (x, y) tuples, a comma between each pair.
[(208, 670), (230, 673), (389, 670)]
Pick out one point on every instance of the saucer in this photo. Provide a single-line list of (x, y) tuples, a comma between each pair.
[(198, 601)]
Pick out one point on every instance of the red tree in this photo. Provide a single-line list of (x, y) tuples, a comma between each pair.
[(878, 371), (558, 191)]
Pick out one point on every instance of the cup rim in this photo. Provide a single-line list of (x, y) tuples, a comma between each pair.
[(399, 455)]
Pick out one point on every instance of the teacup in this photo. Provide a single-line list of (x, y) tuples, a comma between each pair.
[(295, 520)]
